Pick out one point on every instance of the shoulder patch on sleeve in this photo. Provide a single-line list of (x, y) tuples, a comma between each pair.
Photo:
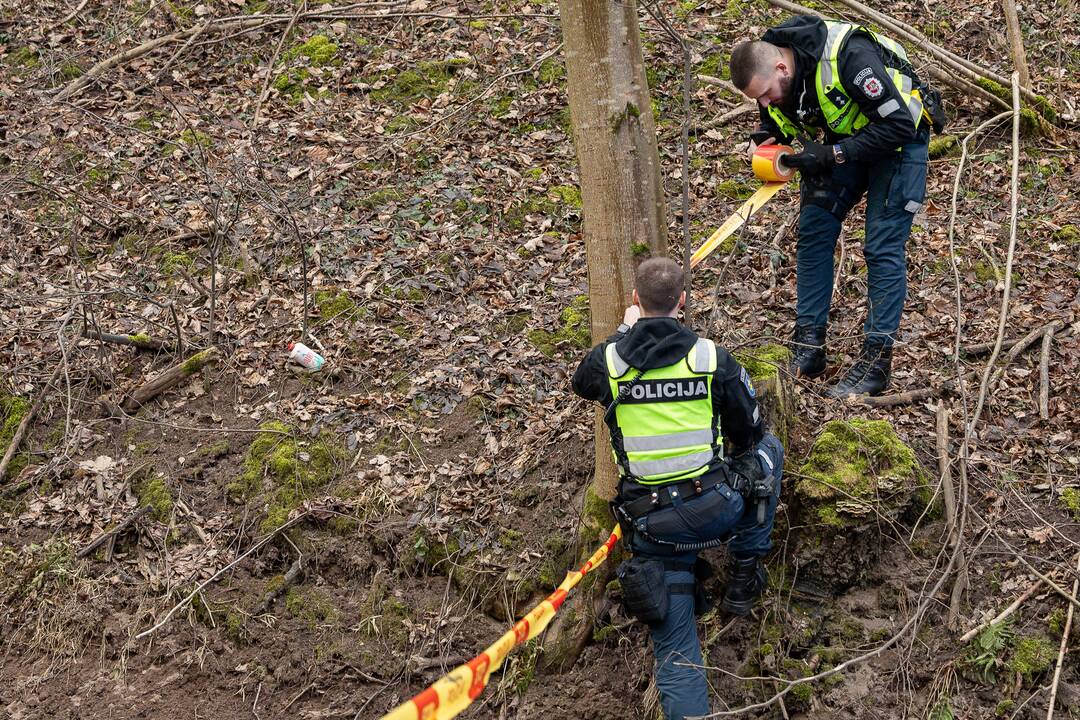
[(863, 74), (872, 87), (745, 377)]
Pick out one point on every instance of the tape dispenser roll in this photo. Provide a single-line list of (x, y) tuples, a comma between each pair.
[(767, 166)]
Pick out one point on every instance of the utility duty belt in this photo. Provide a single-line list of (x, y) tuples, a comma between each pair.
[(664, 495)]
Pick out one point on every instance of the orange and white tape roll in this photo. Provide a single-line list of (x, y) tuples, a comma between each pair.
[(767, 166), (456, 690)]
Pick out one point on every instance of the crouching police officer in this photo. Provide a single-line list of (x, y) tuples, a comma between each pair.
[(673, 399), (859, 88)]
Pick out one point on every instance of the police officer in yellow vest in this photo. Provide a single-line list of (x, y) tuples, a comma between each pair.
[(859, 90), (673, 401)]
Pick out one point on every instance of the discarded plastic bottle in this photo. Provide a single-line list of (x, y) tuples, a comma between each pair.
[(301, 354)]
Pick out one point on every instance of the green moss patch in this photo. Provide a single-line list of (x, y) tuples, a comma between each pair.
[(574, 330), (858, 479), (734, 189), (855, 466), (942, 145), (1069, 234), (173, 262), (558, 557), (194, 138), (568, 195), (312, 606), (333, 302), (764, 361), (318, 50), (380, 198), (427, 81), (1032, 656), (1070, 500), (285, 471), (12, 411), (26, 57), (152, 490)]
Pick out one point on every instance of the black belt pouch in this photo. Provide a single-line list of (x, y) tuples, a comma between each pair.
[(645, 594)]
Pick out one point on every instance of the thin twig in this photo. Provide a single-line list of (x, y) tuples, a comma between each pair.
[(71, 15), (265, 91), (1015, 199), (115, 532), (1064, 643), (1024, 343)]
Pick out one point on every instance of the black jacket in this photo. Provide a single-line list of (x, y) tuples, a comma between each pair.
[(863, 75), (658, 342)]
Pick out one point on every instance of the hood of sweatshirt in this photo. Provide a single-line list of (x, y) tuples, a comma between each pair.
[(655, 342)]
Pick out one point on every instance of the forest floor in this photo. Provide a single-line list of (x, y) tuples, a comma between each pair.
[(405, 172)]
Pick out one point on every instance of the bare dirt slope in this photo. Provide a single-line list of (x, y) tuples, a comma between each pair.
[(410, 182)]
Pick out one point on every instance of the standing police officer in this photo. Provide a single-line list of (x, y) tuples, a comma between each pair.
[(809, 74), (673, 399)]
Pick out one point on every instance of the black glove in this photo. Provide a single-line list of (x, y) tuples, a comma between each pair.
[(815, 158), (935, 108), (760, 487), (748, 466)]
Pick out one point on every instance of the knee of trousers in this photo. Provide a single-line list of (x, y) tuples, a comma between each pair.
[(771, 445)]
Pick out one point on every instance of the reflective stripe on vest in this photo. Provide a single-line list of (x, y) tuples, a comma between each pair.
[(664, 429), (843, 115)]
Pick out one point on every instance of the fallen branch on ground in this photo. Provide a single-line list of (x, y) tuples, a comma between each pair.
[(170, 378), (730, 115), (143, 342), (115, 532), (294, 574), (1044, 375), (1024, 343), (20, 432), (1004, 613)]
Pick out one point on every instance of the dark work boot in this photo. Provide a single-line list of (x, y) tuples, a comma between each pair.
[(746, 580), (870, 373), (808, 350)]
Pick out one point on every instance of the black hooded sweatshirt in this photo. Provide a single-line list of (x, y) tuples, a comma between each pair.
[(655, 342), (863, 75)]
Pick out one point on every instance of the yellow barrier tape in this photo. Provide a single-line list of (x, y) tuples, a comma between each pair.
[(756, 201), (456, 690)]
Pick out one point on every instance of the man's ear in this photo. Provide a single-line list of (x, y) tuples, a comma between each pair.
[(634, 299), (682, 299)]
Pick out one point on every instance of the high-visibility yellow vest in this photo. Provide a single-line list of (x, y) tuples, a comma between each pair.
[(663, 429), (841, 113)]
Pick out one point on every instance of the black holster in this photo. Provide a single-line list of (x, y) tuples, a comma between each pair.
[(646, 593), (644, 589)]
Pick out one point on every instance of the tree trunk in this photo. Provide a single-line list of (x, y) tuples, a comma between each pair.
[(1016, 42), (622, 204)]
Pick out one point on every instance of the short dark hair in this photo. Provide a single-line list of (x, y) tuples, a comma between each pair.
[(659, 283), (749, 59)]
